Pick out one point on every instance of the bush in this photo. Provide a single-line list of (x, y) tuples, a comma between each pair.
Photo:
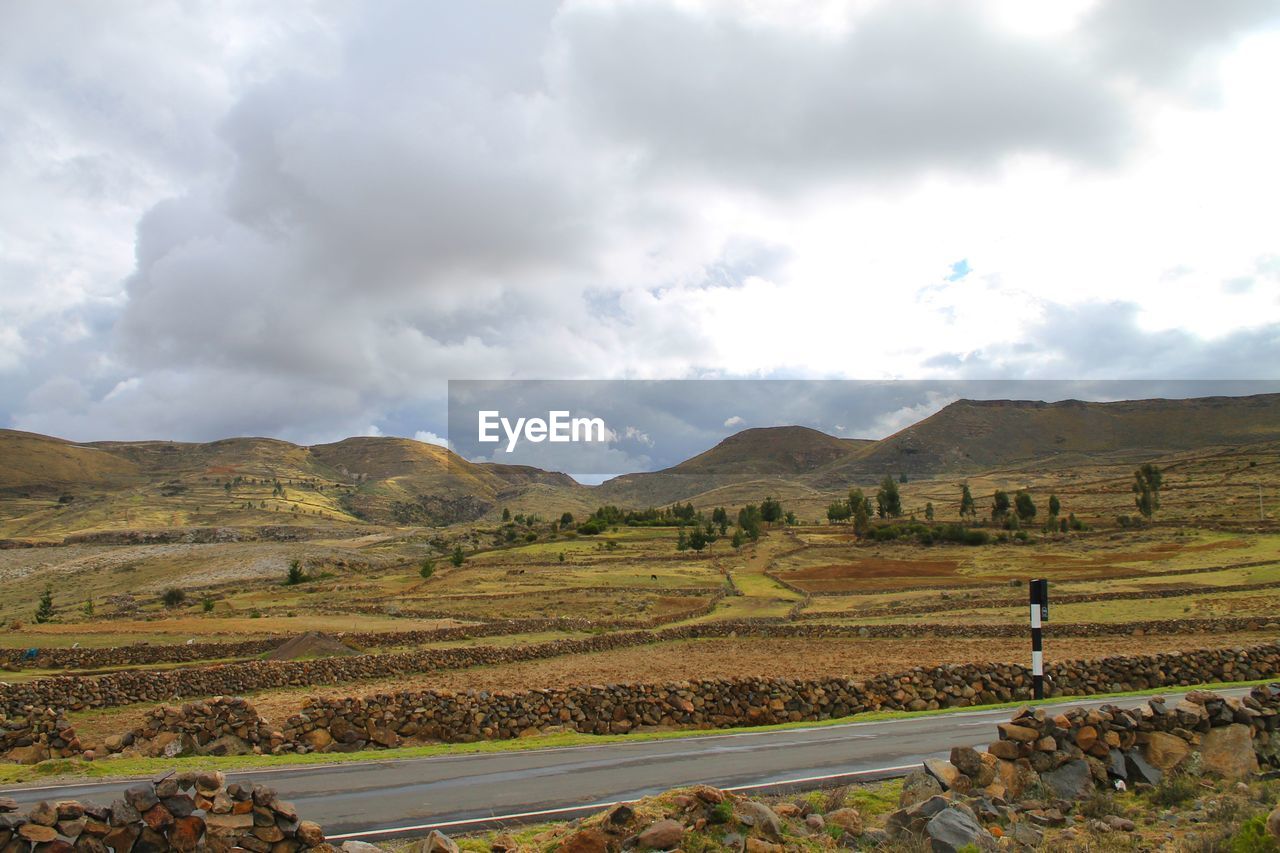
[(207, 604), (173, 597), (427, 569), (457, 558), (1174, 790), (296, 575), (1252, 837)]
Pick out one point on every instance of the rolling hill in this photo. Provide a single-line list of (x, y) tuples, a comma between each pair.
[(50, 487)]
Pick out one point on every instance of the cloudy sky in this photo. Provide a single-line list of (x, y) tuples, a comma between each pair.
[(300, 219)]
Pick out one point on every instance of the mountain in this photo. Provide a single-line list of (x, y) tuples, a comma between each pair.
[(50, 487), (977, 435), (768, 458)]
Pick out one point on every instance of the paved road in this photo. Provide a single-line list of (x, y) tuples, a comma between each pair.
[(379, 799)]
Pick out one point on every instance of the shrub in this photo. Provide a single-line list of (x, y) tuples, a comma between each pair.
[(296, 575), (207, 604), (173, 597), (427, 569), (457, 558), (1174, 790), (1252, 837)]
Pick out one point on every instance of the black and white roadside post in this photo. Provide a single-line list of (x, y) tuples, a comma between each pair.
[(1039, 614)]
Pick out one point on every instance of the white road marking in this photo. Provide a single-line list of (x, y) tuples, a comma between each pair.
[(603, 805)]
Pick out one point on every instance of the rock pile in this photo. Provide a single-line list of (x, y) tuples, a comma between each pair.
[(183, 812), (1065, 758), (31, 736)]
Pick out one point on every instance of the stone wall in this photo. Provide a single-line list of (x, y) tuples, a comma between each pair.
[(182, 812), (716, 703), (130, 686), (1071, 754), (30, 735), (961, 599), (143, 654), (387, 720)]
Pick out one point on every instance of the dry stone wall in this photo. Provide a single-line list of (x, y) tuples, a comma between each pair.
[(131, 686), (183, 812), (387, 720)]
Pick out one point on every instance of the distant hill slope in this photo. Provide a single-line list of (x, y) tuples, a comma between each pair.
[(767, 456), (50, 487), (28, 460), (976, 435)]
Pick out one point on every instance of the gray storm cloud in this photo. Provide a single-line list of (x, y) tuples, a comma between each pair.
[(247, 220)]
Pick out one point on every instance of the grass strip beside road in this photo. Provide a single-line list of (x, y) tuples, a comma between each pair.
[(73, 770)]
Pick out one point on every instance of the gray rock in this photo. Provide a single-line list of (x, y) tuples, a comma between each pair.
[(918, 787), (763, 818), (360, 847), (1116, 767), (1071, 781), (951, 829), (1140, 770)]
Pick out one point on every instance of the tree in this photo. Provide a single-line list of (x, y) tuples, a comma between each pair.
[(295, 575), (207, 604), (790, 518), (44, 610), (736, 541), (861, 518), (888, 501), (87, 610), (749, 521), (566, 520), (682, 542), (838, 511), (173, 597), (999, 505), (902, 478), (928, 511), (968, 509), (1024, 506), (457, 558), (427, 569), (1146, 489), (506, 514), (771, 510), (1055, 505), (698, 539), (720, 518)]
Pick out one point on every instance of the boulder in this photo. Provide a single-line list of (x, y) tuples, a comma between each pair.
[(762, 817), (1139, 770), (317, 739), (227, 745), (33, 754), (1165, 751), (1071, 781), (585, 841), (948, 775), (438, 842), (663, 835), (1273, 823), (1015, 732), (951, 829), (360, 847), (918, 787), (848, 819), (1227, 751)]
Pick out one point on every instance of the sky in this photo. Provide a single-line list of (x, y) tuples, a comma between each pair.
[(302, 219)]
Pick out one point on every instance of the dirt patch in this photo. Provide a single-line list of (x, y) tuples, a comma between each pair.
[(875, 573), (312, 644)]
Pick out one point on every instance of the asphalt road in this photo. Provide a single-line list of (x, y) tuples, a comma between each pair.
[(379, 799)]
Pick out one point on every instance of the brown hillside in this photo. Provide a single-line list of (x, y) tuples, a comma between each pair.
[(763, 454), (975, 435), (30, 461)]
